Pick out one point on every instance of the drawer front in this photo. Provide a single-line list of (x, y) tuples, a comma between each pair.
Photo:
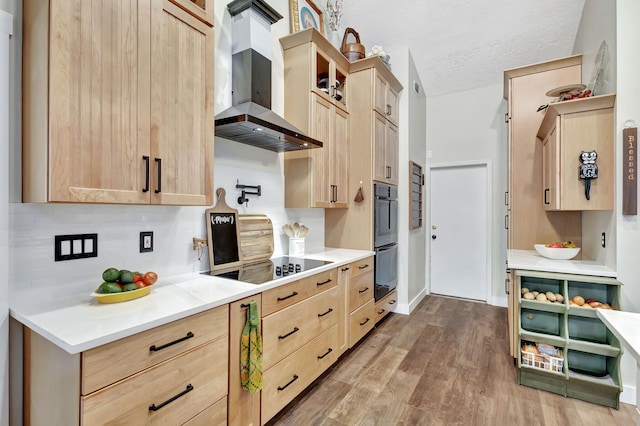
[(216, 415), (129, 402), (288, 329), (386, 305), (285, 380), (360, 290), (361, 267), (361, 322), (278, 298), (169, 340)]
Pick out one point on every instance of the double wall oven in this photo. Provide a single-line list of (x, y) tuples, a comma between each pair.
[(385, 240)]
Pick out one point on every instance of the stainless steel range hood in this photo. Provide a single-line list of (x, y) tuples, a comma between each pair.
[(250, 120)]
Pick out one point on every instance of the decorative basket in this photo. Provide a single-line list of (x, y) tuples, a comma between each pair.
[(542, 361), (352, 51)]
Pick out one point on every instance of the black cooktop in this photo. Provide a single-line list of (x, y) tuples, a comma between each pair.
[(269, 270)]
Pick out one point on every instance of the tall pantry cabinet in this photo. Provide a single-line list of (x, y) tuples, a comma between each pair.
[(118, 102), (527, 221), (373, 151)]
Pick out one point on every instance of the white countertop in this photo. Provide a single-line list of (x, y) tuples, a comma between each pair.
[(532, 261), (624, 325), (77, 322)]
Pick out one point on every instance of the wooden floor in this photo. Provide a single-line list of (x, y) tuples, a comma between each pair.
[(445, 364)]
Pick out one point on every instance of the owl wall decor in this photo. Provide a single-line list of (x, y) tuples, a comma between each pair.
[(588, 170)]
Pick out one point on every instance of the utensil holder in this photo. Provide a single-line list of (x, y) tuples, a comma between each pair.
[(296, 246)]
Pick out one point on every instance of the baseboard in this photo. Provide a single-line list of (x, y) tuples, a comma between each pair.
[(628, 395), (406, 309), (499, 301)]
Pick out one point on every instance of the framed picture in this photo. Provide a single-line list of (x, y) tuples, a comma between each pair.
[(305, 14)]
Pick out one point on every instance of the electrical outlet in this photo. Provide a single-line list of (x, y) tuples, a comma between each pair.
[(76, 246), (603, 239), (146, 242)]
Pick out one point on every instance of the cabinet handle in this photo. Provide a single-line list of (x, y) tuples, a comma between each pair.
[(159, 161), (154, 348), (326, 313), (388, 109), (506, 198), (335, 197), (345, 269), (363, 290), (506, 117), (365, 321), (154, 407), (366, 265), (388, 172), (546, 191), (280, 299), (506, 285), (392, 302), (506, 221), (281, 388), (325, 354), (295, 329), (146, 173), (381, 311), (323, 282)]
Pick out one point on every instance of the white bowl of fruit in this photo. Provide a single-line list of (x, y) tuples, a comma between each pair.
[(558, 250)]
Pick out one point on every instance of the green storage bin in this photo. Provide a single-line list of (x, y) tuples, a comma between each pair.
[(588, 329), (587, 363), (542, 285), (541, 321), (601, 293)]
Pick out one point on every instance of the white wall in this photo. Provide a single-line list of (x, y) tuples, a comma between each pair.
[(6, 29), (412, 146), (469, 126)]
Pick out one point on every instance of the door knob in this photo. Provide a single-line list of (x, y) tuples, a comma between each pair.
[(433, 237)]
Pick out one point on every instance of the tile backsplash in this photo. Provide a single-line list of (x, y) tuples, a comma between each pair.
[(34, 226)]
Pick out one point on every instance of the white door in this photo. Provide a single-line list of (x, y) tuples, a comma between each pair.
[(459, 231)]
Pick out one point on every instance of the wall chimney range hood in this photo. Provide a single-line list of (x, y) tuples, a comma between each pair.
[(250, 120)]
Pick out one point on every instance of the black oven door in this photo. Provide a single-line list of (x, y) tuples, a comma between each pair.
[(386, 270), (385, 222)]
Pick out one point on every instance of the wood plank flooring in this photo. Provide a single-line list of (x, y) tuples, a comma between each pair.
[(447, 363)]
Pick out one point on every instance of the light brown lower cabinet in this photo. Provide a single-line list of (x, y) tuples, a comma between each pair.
[(361, 321), (285, 380), (172, 374), (386, 305)]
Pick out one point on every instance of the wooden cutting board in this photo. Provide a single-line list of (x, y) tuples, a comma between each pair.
[(256, 237)]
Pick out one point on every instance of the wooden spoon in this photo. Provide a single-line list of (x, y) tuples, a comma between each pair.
[(296, 230), (303, 231), (287, 230)]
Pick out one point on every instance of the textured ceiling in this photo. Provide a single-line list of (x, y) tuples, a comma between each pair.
[(464, 44)]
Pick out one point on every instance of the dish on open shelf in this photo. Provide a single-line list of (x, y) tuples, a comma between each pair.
[(123, 296), (557, 253)]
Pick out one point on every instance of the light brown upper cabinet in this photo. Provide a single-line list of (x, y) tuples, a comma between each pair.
[(385, 98), (385, 148), (316, 102), (568, 129), (118, 102)]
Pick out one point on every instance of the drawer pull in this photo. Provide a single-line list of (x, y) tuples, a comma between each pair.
[(363, 290), (323, 282), (326, 313), (345, 269), (146, 173), (381, 311), (366, 265), (281, 388), (154, 348), (365, 321), (154, 407), (289, 333), (280, 299), (325, 354), (392, 302)]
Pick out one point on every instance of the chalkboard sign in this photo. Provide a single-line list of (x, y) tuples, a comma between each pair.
[(222, 234)]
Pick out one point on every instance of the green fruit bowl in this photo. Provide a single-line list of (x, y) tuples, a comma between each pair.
[(557, 253), (123, 296)]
